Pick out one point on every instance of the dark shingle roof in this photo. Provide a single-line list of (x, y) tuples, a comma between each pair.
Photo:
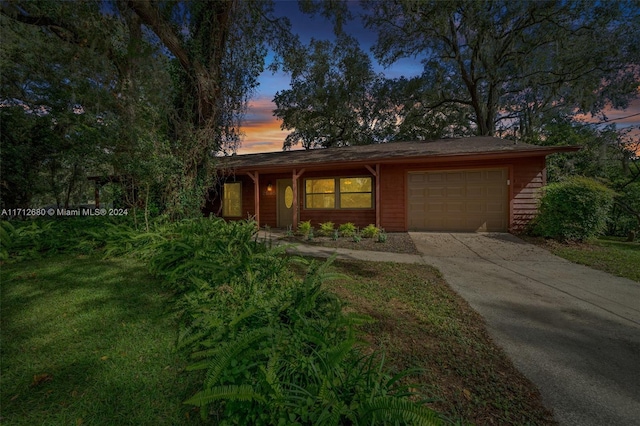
[(388, 152)]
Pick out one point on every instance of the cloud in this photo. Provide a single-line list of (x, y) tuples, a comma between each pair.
[(261, 129)]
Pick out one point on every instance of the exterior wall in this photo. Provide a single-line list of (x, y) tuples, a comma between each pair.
[(393, 189), (526, 176), (529, 176)]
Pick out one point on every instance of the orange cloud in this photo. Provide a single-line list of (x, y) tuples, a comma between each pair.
[(261, 129)]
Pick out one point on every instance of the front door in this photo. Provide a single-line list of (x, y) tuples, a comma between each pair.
[(285, 202)]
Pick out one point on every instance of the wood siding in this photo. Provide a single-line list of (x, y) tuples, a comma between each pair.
[(393, 189), (528, 179), (526, 175)]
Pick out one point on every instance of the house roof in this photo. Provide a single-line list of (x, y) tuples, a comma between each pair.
[(479, 146)]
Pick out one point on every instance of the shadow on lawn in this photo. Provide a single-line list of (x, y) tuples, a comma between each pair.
[(88, 340)]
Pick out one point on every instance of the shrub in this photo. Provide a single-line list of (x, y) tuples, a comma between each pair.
[(573, 210), (382, 236), (304, 228), (326, 229), (347, 229), (370, 231)]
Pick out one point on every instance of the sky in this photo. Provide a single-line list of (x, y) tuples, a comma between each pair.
[(261, 129)]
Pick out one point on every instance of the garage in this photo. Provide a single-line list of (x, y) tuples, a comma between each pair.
[(473, 200)]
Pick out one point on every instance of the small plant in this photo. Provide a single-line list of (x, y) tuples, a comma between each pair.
[(310, 234), (304, 228), (356, 238), (289, 232), (347, 229), (335, 235), (382, 236), (370, 231), (326, 229)]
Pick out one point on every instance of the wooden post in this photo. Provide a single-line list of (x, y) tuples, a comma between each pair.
[(256, 195), (376, 174), (296, 199)]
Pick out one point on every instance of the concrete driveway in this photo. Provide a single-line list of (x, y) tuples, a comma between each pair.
[(572, 330)]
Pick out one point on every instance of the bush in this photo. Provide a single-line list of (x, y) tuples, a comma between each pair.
[(573, 210), (347, 229), (326, 229), (370, 231)]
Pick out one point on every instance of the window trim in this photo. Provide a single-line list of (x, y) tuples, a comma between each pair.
[(224, 193), (337, 194)]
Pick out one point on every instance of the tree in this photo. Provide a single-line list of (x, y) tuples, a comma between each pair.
[(53, 97), (203, 57), (332, 99), (506, 64)]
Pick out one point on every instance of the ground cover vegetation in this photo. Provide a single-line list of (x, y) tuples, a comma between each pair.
[(265, 345)]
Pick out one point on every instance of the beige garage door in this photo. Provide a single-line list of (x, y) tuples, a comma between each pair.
[(458, 200)]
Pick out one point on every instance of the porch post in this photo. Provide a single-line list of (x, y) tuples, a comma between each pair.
[(376, 174), (256, 194), (294, 184), (296, 199)]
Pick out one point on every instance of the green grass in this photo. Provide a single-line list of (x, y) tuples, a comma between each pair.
[(89, 341), (421, 323), (612, 255)]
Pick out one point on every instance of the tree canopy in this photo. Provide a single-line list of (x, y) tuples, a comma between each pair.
[(503, 65)]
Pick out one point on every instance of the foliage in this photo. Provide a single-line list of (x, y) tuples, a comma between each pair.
[(370, 231), (332, 100), (625, 215), (347, 229), (382, 236), (573, 210), (326, 229), (494, 66), (304, 227), (272, 347)]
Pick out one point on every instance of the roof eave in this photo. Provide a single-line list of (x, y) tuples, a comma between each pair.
[(431, 158)]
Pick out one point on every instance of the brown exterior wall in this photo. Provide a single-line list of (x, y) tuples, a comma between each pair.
[(526, 176), (393, 189), (529, 176)]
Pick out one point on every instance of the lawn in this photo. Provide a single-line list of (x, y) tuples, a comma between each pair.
[(612, 255), (89, 341), (422, 323)]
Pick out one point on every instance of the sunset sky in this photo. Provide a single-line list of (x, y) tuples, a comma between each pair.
[(262, 130)]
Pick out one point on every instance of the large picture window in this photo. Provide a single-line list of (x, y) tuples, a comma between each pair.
[(339, 193), (232, 200)]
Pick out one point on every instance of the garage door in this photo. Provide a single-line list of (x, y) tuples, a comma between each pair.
[(458, 200)]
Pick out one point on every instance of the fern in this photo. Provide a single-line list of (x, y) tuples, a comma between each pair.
[(393, 409), (230, 351), (229, 393)]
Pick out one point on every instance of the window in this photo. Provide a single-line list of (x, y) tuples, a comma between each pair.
[(339, 193), (320, 193), (232, 199), (355, 193)]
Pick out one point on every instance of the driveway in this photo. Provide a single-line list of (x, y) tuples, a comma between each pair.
[(572, 330)]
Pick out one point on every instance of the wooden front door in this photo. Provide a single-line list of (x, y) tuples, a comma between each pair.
[(284, 194)]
